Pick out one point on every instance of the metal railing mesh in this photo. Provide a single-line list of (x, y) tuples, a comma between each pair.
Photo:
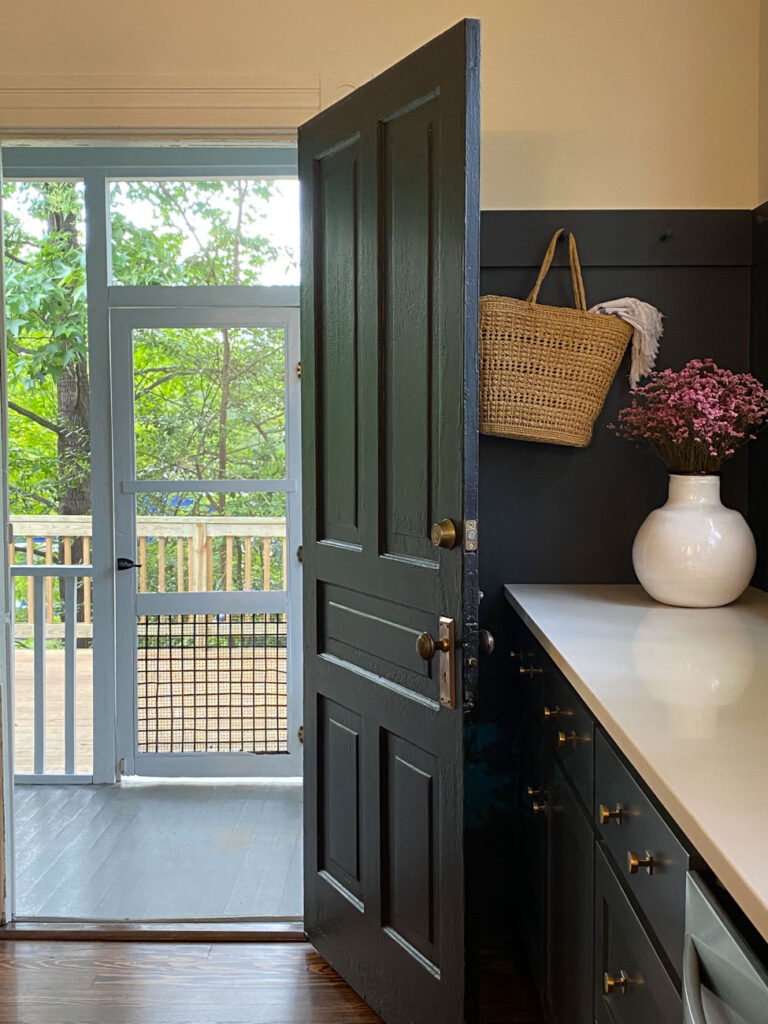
[(212, 683)]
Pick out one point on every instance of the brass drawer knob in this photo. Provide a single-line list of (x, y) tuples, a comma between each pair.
[(635, 862), (563, 740), (606, 814), (444, 534), (539, 806), (552, 712), (427, 646), (530, 670), (535, 793), (611, 984)]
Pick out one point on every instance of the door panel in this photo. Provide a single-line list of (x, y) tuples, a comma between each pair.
[(338, 423), (390, 218)]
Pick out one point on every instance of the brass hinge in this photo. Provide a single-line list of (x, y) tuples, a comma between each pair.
[(298, 370), (470, 535), (300, 553), (300, 734)]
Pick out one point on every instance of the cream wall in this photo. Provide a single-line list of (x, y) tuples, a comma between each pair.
[(586, 103)]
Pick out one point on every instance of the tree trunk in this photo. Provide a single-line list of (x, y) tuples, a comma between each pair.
[(73, 417)]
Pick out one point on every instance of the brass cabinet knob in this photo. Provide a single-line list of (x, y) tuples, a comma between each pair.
[(539, 806), (606, 814), (635, 862), (563, 739), (530, 670), (536, 793), (444, 534), (611, 984), (427, 646), (552, 712)]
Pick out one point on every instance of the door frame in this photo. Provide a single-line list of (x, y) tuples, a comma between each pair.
[(123, 321)]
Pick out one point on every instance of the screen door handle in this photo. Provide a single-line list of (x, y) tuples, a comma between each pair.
[(127, 563)]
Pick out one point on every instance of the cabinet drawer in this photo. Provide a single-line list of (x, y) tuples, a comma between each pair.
[(638, 829), (570, 728), (645, 992)]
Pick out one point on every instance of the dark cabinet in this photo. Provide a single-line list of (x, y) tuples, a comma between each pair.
[(631, 984), (570, 906), (603, 934)]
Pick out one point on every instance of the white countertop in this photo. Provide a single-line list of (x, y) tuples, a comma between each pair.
[(684, 695)]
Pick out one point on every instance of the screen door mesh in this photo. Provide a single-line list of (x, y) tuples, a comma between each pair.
[(210, 683)]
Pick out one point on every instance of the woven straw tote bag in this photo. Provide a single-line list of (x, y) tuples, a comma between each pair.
[(545, 371)]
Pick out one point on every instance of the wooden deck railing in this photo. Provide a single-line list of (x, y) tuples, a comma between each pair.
[(177, 553)]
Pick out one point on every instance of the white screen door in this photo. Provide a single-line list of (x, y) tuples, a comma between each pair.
[(206, 462)]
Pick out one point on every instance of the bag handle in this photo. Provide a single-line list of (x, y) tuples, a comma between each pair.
[(579, 295)]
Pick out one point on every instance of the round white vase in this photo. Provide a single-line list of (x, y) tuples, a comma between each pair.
[(693, 551)]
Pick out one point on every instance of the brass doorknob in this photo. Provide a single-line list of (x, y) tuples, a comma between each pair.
[(635, 862), (444, 534), (606, 814), (427, 646), (611, 984)]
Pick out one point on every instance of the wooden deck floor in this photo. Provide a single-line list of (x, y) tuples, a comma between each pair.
[(141, 983), (159, 851)]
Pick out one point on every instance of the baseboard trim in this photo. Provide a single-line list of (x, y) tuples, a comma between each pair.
[(127, 931)]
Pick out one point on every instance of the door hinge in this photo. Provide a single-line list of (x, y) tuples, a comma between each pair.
[(121, 768), (470, 535), (9, 527), (300, 553), (298, 370), (300, 733)]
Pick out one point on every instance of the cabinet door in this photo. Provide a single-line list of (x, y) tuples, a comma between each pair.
[(536, 771), (570, 899), (631, 984)]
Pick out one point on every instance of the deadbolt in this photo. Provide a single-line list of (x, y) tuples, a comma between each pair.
[(444, 534), (427, 647)]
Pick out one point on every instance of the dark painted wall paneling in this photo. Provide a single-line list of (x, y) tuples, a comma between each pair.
[(551, 514), (758, 451)]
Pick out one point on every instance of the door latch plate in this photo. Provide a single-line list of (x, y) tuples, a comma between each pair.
[(447, 665)]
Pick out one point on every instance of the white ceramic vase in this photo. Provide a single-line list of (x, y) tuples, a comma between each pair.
[(693, 551)]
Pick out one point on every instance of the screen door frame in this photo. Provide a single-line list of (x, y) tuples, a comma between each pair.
[(130, 604)]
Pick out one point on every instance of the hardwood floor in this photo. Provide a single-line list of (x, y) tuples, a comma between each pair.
[(159, 851), (142, 983)]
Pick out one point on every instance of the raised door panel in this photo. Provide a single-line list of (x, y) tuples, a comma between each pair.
[(337, 423), (409, 870), (408, 328), (339, 846)]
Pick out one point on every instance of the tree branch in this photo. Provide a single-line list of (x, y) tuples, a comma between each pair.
[(41, 420), (39, 498), (164, 380)]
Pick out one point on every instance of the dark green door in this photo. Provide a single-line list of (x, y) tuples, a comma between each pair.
[(390, 215)]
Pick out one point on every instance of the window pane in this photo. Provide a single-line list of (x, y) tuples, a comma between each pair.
[(219, 232), (210, 403), (198, 542)]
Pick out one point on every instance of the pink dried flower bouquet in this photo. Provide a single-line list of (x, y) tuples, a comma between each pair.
[(697, 417)]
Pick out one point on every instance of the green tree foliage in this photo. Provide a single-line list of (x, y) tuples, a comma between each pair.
[(209, 403)]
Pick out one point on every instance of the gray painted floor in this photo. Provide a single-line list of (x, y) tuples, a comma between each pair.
[(159, 851)]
